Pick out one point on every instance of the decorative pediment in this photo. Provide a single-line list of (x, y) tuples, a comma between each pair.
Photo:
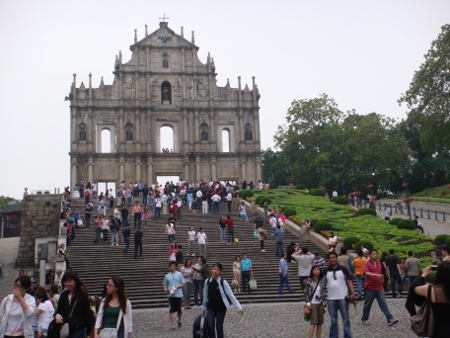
[(164, 37)]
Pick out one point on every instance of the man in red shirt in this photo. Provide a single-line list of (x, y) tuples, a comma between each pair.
[(230, 227), (373, 288)]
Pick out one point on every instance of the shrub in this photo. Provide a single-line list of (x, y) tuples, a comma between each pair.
[(350, 241), (322, 225), (365, 243), (317, 192), (368, 211), (300, 187), (395, 221), (340, 200), (447, 241), (245, 193), (261, 199), (235, 187), (406, 224), (440, 239), (289, 211)]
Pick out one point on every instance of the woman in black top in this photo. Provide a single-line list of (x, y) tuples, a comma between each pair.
[(75, 299)]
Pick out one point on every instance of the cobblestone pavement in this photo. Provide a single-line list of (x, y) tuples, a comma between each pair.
[(275, 320)]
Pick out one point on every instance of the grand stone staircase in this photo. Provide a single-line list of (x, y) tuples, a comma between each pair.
[(95, 263)]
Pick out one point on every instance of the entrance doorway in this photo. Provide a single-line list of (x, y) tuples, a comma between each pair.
[(162, 180), (103, 186)]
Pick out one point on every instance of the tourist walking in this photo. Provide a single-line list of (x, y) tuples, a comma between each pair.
[(191, 241), (315, 296), (304, 259), (229, 221), (279, 236), (243, 214), (222, 228), (114, 228), (126, 233), (412, 267), (339, 283), (373, 289), (198, 281), (138, 234), (359, 263), (115, 311), (394, 273), (187, 271), (237, 272), (283, 273), (173, 286), (137, 215), (217, 300), (247, 272), (202, 241)]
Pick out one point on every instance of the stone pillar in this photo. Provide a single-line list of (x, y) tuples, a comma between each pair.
[(258, 169), (256, 135), (150, 171), (213, 168), (121, 169), (196, 136), (212, 126), (121, 131), (151, 137), (185, 132), (138, 168), (243, 169), (186, 168), (197, 168), (90, 170), (138, 127), (74, 172), (91, 139)]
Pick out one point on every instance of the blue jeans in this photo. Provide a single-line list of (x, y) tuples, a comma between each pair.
[(369, 296), (215, 320), (222, 235), (97, 234), (127, 244), (342, 306), (114, 237), (198, 288), (279, 248), (171, 238), (284, 281), (359, 284), (215, 207), (157, 212)]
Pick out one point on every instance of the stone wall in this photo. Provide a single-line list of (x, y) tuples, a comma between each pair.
[(40, 218)]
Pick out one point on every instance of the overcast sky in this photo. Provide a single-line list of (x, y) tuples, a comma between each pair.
[(361, 53)]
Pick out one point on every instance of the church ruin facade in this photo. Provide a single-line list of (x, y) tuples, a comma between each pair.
[(215, 130)]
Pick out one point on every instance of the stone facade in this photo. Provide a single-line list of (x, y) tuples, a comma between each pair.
[(40, 225), (164, 84)]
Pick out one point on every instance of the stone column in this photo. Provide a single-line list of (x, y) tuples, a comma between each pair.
[(196, 136), (74, 172), (186, 168), (150, 171), (90, 169), (243, 169), (121, 130), (151, 136), (213, 168), (137, 140), (138, 168), (121, 169), (256, 125), (185, 132), (258, 169), (197, 168)]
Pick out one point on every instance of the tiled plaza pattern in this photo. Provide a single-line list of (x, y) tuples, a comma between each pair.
[(275, 321)]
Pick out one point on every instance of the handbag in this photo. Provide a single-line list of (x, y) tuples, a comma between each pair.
[(64, 329), (252, 284), (306, 313), (234, 283), (255, 234), (423, 322), (111, 332)]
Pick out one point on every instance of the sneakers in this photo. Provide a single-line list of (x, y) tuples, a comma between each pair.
[(172, 328), (392, 321), (365, 322), (263, 250), (180, 325)]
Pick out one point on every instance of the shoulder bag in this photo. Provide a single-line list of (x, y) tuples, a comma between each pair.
[(252, 284), (111, 332), (423, 322)]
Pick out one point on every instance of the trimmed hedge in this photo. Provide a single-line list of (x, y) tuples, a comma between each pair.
[(289, 211), (245, 193), (368, 211), (322, 225), (317, 192), (447, 241), (395, 221), (365, 243), (300, 187), (261, 199), (406, 224), (350, 242), (235, 187), (339, 200), (440, 239)]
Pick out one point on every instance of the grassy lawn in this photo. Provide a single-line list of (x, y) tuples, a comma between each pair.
[(346, 222), (435, 195)]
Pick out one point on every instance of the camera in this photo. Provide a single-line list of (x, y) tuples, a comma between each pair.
[(433, 267), (318, 297)]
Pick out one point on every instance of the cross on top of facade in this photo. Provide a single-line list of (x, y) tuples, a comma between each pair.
[(164, 18)]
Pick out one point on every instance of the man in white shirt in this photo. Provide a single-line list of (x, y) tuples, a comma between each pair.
[(229, 199), (202, 240), (215, 199), (304, 259)]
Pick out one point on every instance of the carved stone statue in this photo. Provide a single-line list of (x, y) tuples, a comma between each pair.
[(129, 135), (165, 63), (204, 134), (82, 134), (166, 94), (248, 134)]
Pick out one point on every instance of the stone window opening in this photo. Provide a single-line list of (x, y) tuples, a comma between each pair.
[(226, 140), (167, 142), (165, 62), (105, 141), (204, 132), (248, 132)]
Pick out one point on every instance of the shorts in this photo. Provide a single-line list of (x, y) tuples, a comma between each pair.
[(317, 314), (243, 217), (175, 304)]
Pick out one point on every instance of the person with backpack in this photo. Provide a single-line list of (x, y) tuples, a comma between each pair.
[(217, 299)]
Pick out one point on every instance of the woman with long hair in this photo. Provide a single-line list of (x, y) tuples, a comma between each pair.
[(187, 271), (237, 271), (315, 300), (73, 306), (17, 310), (115, 310), (440, 298), (173, 251), (217, 299)]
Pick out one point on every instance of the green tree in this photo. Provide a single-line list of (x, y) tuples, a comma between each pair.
[(428, 96), (5, 201), (274, 170)]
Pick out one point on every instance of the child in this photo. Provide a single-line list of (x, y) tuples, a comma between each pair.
[(191, 241)]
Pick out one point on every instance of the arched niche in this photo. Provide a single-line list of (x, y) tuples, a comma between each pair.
[(129, 132), (166, 92), (204, 132), (166, 140), (106, 138), (105, 141), (82, 132), (165, 61), (248, 132), (226, 138)]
